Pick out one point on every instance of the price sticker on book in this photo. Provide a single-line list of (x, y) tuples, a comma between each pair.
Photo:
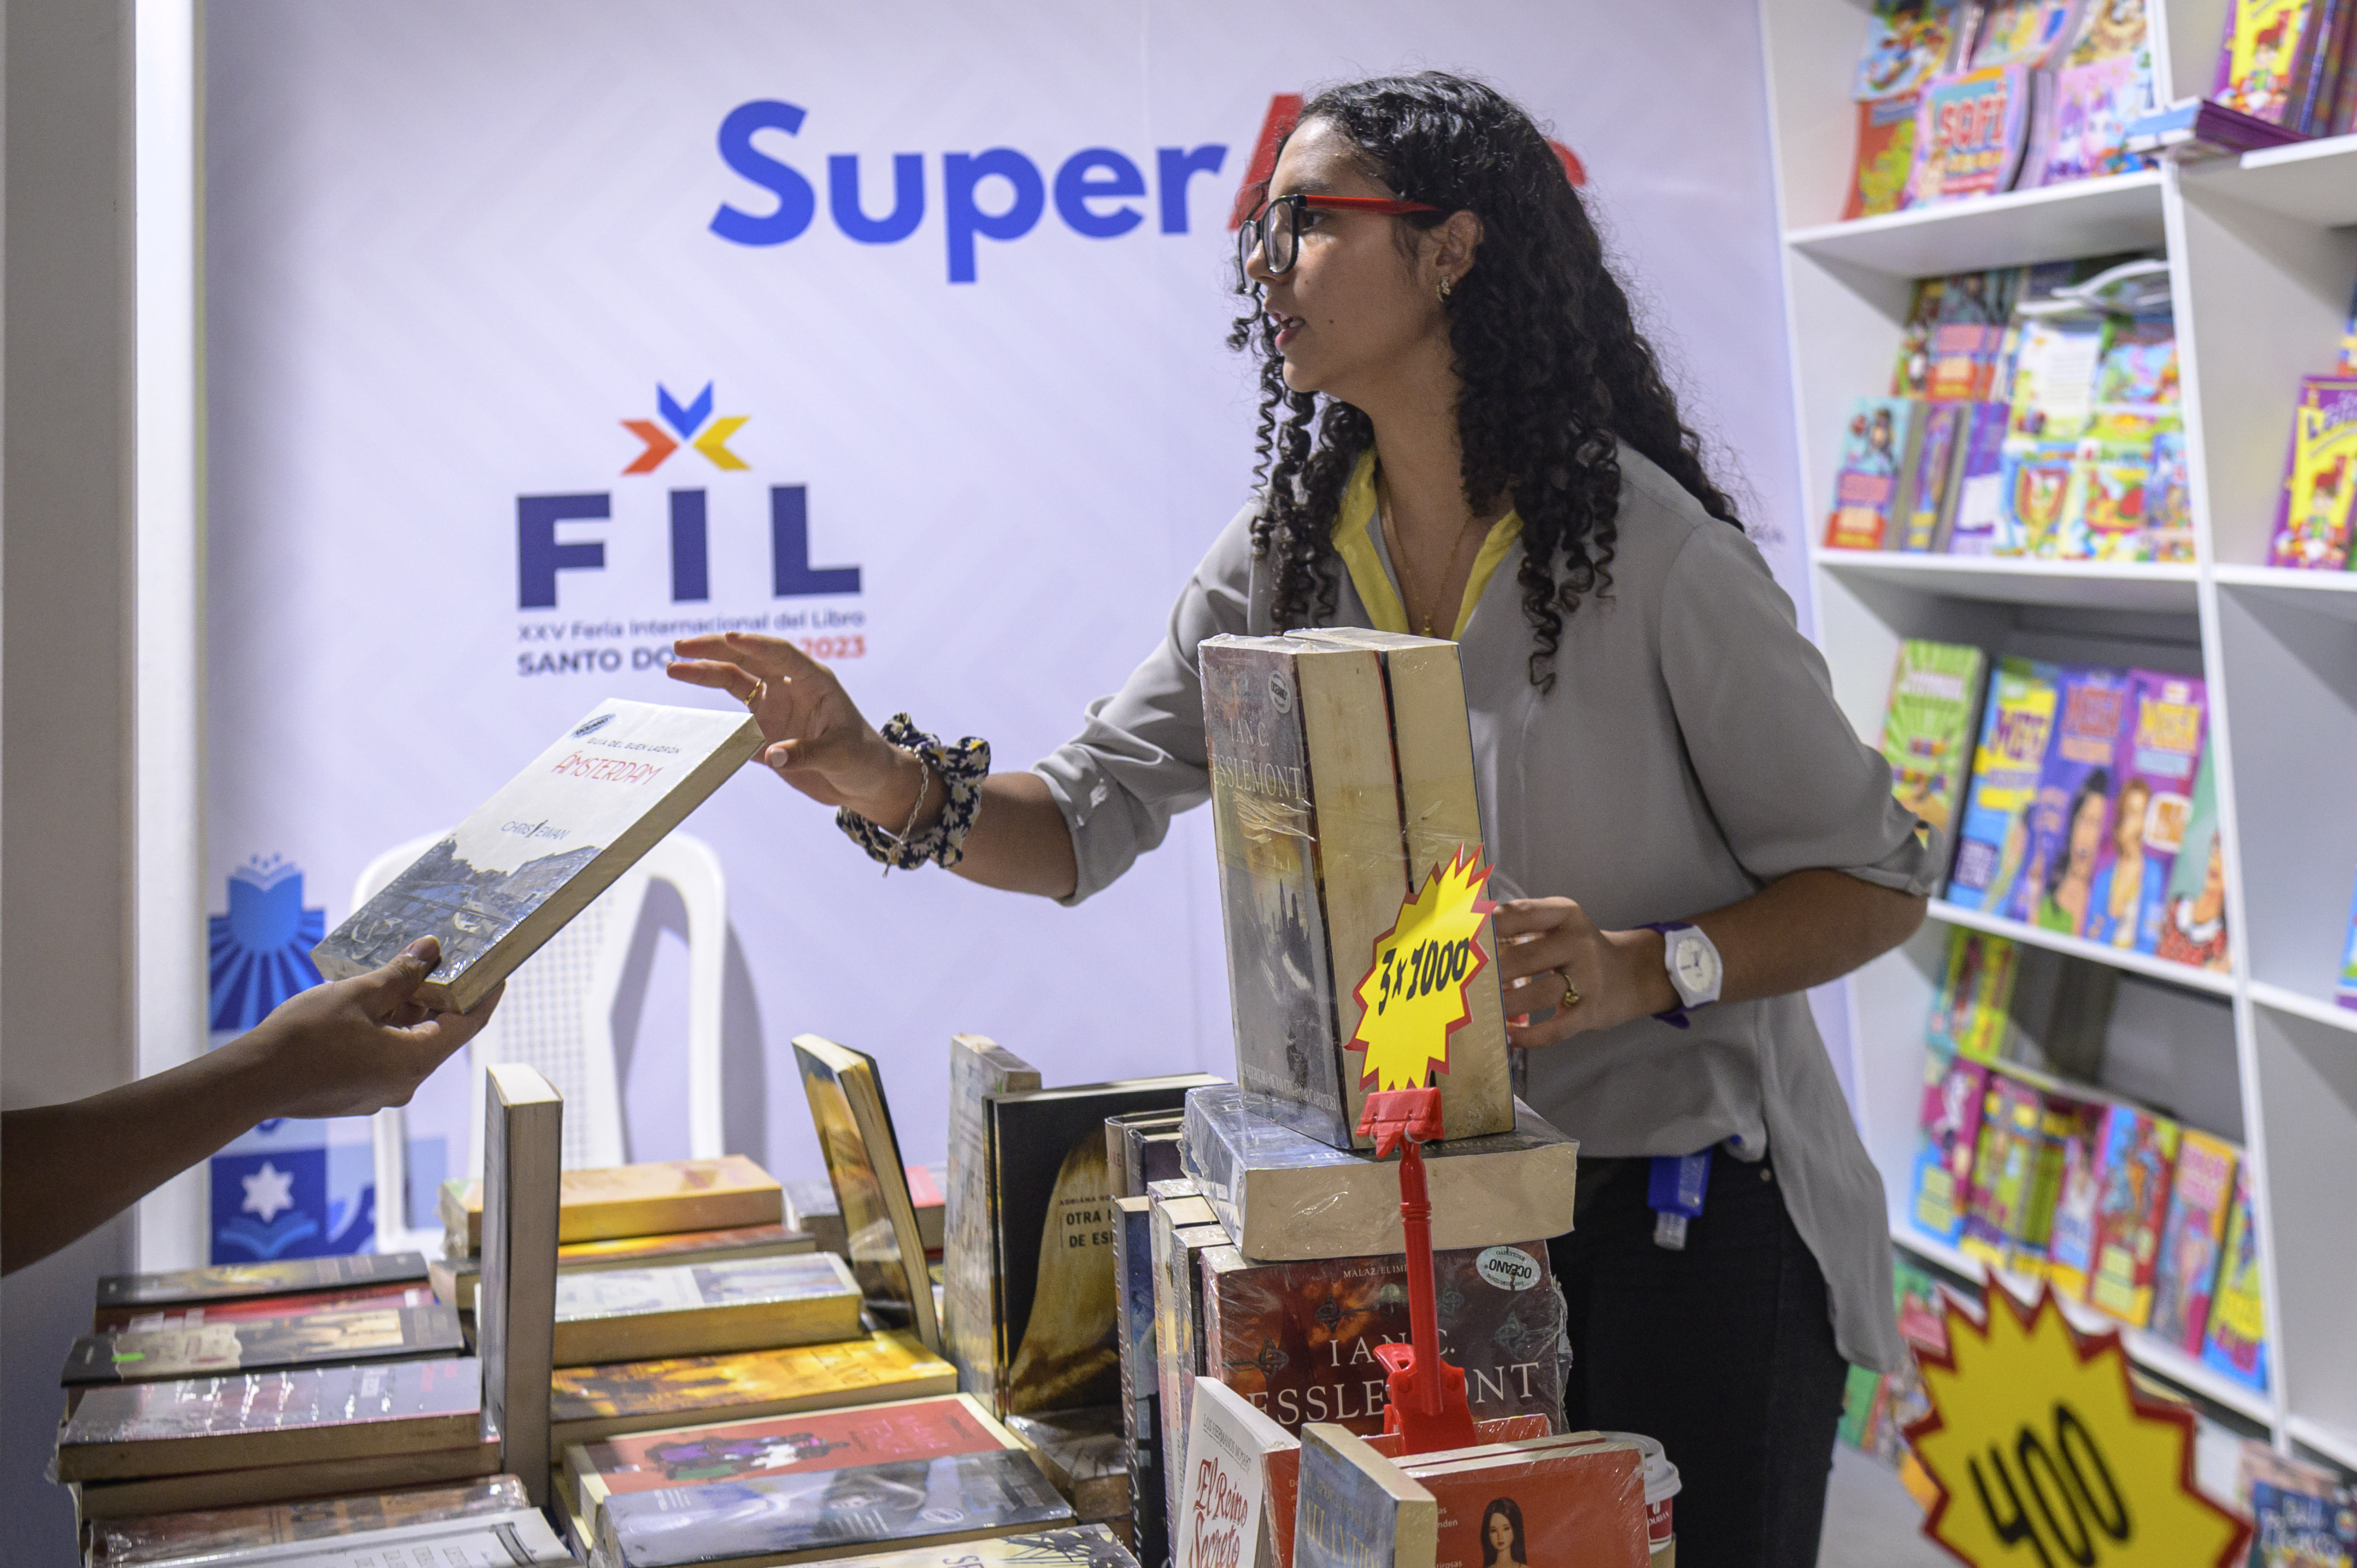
[(1414, 996), (2043, 1450)]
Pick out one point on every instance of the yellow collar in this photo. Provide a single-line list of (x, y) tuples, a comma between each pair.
[(1356, 541)]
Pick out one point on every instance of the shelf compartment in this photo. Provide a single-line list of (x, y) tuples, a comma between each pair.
[(2315, 182), (2169, 586), (2084, 217), (2155, 1355), (2152, 968), (2339, 1446), (2330, 593), (2284, 1000)]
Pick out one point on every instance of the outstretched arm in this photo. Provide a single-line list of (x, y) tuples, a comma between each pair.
[(341, 1050), (821, 743)]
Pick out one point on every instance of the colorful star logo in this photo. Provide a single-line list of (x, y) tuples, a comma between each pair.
[(688, 421)]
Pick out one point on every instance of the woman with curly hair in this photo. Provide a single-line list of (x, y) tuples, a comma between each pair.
[(1463, 434)]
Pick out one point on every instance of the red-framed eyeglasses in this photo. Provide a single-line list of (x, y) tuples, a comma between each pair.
[(1275, 229)]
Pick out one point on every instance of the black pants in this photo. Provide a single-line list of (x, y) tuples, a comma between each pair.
[(1723, 1353)]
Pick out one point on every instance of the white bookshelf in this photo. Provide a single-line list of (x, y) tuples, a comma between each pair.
[(2263, 251)]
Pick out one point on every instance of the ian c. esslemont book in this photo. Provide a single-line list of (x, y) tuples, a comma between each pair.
[(871, 1186), (552, 839)]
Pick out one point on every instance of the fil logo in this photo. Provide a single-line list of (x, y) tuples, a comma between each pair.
[(696, 416), (546, 547)]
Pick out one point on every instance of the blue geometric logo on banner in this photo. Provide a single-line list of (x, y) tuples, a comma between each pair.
[(262, 948), (275, 1205)]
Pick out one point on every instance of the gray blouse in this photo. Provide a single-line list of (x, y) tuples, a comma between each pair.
[(1690, 754)]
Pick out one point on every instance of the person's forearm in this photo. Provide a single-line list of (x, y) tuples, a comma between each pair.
[(1019, 842), (119, 1146), (1803, 930)]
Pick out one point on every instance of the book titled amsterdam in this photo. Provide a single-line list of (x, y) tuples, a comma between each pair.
[(796, 1518), (589, 1402), (217, 1350), (536, 854), (269, 1418), (241, 1282)]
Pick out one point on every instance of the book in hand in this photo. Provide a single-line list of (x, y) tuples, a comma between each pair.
[(590, 1402), (1224, 1483), (1054, 1303), (523, 1140), (204, 1536), (656, 1197), (1357, 1508), (798, 1518), (979, 1067), (704, 1309), (2236, 1342), (871, 1186), (538, 851), (218, 1350), (456, 1280), (246, 1282), (270, 1418), (823, 1440)]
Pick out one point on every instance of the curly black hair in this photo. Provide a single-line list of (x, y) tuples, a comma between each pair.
[(1549, 361)]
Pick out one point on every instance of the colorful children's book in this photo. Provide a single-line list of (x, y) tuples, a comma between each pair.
[(2054, 365), (2071, 812), (2199, 1197), (1886, 156), (1911, 375), (2035, 477), (1969, 1009), (2159, 753), (2168, 500), (1970, 130), (2104, 514), (2093, 107), (1975, 510), (2312, 517), (1868, 488), (1993, 840), (2109, 27), (1921, 1304), (2139, 364), (2065, 1120), (1947, 1135), (2071, 1236), (2302, 1530), (1907, 42), (2269, 50), (2005, 1173), (2235, 1343), (1927, 732), (2139, 1151), (2193, 919), (1969, 333), (1930, 476), (2023, 32), (2348, 334)]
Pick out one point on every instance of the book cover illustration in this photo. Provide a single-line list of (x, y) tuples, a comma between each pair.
[(233, 1282), (1968, 336), (2105, 516), (979, 1067), (114, 1319), (1907, 42), (1922, 1306), (2139, 1151), (1582, 1505), (1178, 1328), (2312, 515), (2198, 1196), (1947, 1135), (175, 1540), (607, 1293), (2298, 1528), (1930, 476), (1298, 1339), (2093, 104), (2071, 1237), (1885, 156), (2139, 365), (1911, 375), (2169, 499), (1992, 843), (2265, 56), (2063, 1118), (2023, 32), (2035, 477), (862, 1151), (1969, 1009), (2109, 28), (2159, 752), (1970, 132), (1927, 732), (1976, 497), (2236, 1341), (2072, 813), (1866, 484), (2054, 366), (1356, 1507), (550, 839), (1999, 1220), (2193, 919), (824, 1440), (1056, 1291), (222, 1349), (829, 1511), (881, 1366)]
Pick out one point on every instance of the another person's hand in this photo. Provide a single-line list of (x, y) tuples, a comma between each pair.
[(354, 1046), (819, 743), (1615, 975)]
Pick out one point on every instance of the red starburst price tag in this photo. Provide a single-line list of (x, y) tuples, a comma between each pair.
[(1414, 994)]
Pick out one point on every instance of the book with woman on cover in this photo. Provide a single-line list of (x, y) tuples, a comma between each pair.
[(551, 840)]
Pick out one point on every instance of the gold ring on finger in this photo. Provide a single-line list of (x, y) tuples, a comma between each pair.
[(1570, 992), (752, 698)]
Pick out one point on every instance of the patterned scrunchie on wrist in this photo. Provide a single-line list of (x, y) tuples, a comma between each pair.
[(962, 768)]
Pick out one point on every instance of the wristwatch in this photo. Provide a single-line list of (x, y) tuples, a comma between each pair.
[(1696, 972)]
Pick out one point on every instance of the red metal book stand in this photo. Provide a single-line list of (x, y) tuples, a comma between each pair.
[(1424, 1396)]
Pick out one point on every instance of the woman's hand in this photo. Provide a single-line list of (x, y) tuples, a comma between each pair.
[(819, 743), (1615, 975)]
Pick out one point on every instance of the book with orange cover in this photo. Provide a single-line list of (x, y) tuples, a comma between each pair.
[(589, 1402), (655, 1198)]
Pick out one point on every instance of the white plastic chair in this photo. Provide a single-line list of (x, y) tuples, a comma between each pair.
[(557, 1015)]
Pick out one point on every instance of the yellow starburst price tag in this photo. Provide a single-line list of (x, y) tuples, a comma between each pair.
[(2044, 1452), (1413, 995)]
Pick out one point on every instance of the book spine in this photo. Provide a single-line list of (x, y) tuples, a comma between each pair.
[(1141, 1423)]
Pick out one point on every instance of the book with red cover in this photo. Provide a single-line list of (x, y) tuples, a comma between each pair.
[(2140, 1152), (1885, 154), (1566, 1507), (114, 1319), (2187, 1268)]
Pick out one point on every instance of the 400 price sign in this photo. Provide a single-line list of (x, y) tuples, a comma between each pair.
[(2047, 1457)]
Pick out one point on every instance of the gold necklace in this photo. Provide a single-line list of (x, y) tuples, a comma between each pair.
[(1399, 555)]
